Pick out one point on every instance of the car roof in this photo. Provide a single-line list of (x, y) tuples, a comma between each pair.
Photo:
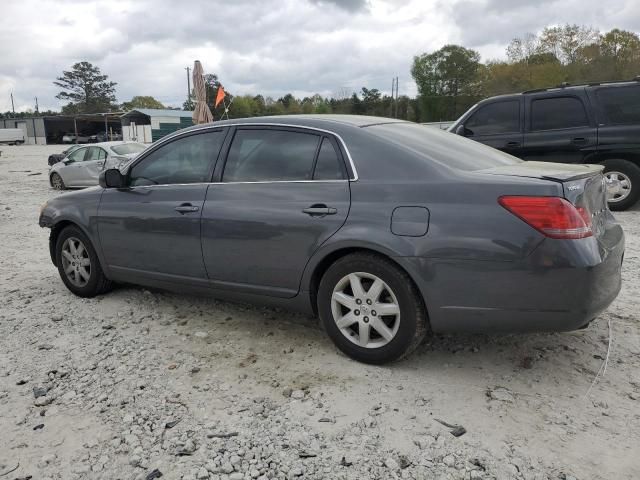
[(310, 120)]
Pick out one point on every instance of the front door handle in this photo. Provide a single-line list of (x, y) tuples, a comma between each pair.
[(186, 208), (579, 140), (319, 210), (513, 144)]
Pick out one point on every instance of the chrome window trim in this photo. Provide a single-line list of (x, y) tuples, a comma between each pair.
[(235, 183), (262, 124)]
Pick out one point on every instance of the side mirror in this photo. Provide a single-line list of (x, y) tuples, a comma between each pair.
[(111, 178), (463, 131)]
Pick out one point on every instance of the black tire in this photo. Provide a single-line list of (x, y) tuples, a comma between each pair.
[(56, 182), (413, 323), (632, 172), (97, 282)]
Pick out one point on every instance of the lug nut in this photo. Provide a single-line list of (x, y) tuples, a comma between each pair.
[(358, 301), (368, 301), (373, 312), (356, 312), (366, 319)]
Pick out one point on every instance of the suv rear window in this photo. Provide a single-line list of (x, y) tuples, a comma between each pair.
[(620, 105), (557, 113), (495, 118)]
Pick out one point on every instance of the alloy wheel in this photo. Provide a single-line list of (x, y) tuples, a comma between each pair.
[(365, 310), (56, 182), (76, 262), (618, 186)]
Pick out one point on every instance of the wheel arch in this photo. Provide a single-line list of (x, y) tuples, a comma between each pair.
[(599, 157), (56, 229), (322, 264)]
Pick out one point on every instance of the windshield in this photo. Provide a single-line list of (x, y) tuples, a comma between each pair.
[(443, 147), (128, 148)]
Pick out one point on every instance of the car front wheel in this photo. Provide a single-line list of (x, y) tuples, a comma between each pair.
[(56, 182), (78, 264), (371, 309)]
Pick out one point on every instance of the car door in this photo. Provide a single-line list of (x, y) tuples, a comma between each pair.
[(71, 172), (497, 124), (92, 165), (282, 193), (558, 128), (151, 228)]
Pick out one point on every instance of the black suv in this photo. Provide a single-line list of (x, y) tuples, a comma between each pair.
[(594, 123)]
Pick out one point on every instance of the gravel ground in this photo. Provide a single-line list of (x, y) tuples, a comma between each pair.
[(137, 384)]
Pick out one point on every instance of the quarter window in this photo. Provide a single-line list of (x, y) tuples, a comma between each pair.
[(270, 155), (558, 113), (184, 160), (495, 118), (328, 166), (620, 105)]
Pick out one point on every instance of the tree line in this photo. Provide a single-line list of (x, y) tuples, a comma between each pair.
[(449, 80)]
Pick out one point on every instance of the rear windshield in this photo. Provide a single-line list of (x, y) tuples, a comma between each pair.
[(443, 147), (620, 105), (128, 148)]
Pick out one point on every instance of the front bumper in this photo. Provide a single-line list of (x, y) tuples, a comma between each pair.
[(561, 286)]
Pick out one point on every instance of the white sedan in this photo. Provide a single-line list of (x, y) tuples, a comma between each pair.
[(82, 167)]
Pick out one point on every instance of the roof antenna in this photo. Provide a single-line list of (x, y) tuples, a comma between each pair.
[(564, 84)]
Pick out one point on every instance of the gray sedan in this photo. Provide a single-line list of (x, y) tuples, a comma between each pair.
[(82, 166), (388, 230)]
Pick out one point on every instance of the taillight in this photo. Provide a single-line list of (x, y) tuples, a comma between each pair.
[(553, 216)]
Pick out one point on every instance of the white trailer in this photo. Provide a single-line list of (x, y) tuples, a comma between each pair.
[(12, 136)]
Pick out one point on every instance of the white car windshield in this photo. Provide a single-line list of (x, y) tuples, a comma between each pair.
[(128, 148)]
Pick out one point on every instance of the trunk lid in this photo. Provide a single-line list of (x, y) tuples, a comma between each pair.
[(560, 172), (583, 185)]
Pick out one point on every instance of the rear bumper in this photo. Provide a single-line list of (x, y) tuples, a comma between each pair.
[(561, 286)]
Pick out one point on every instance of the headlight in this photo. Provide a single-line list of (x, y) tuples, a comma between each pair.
[(42, 207)]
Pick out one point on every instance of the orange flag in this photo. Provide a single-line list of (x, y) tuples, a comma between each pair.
[(219, 96)]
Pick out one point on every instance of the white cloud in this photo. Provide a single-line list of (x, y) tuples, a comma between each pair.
[(261, 46)]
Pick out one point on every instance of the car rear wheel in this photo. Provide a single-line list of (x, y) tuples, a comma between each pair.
[(623, 183), (56, 182), (371, 309), (78, 264)]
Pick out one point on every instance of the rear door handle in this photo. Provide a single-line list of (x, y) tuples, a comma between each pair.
[(319, 210), (186, 208), (579, 140), (513, 144)]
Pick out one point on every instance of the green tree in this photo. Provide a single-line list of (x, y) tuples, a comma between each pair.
[(87, 90), (140, 101), (447, 81)]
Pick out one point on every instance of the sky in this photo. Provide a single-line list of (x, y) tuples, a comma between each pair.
[(270, 47)]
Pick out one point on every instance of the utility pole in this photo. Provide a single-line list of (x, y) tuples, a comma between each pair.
[(188, 84), (37, 111), (396, 115), (393, 86), (13, 108)]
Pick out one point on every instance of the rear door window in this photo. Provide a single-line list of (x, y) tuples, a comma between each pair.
[(557, 113), (620, 105), (184, 160), (95, 153), (78, 155), (495, 118), (258, 155)]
